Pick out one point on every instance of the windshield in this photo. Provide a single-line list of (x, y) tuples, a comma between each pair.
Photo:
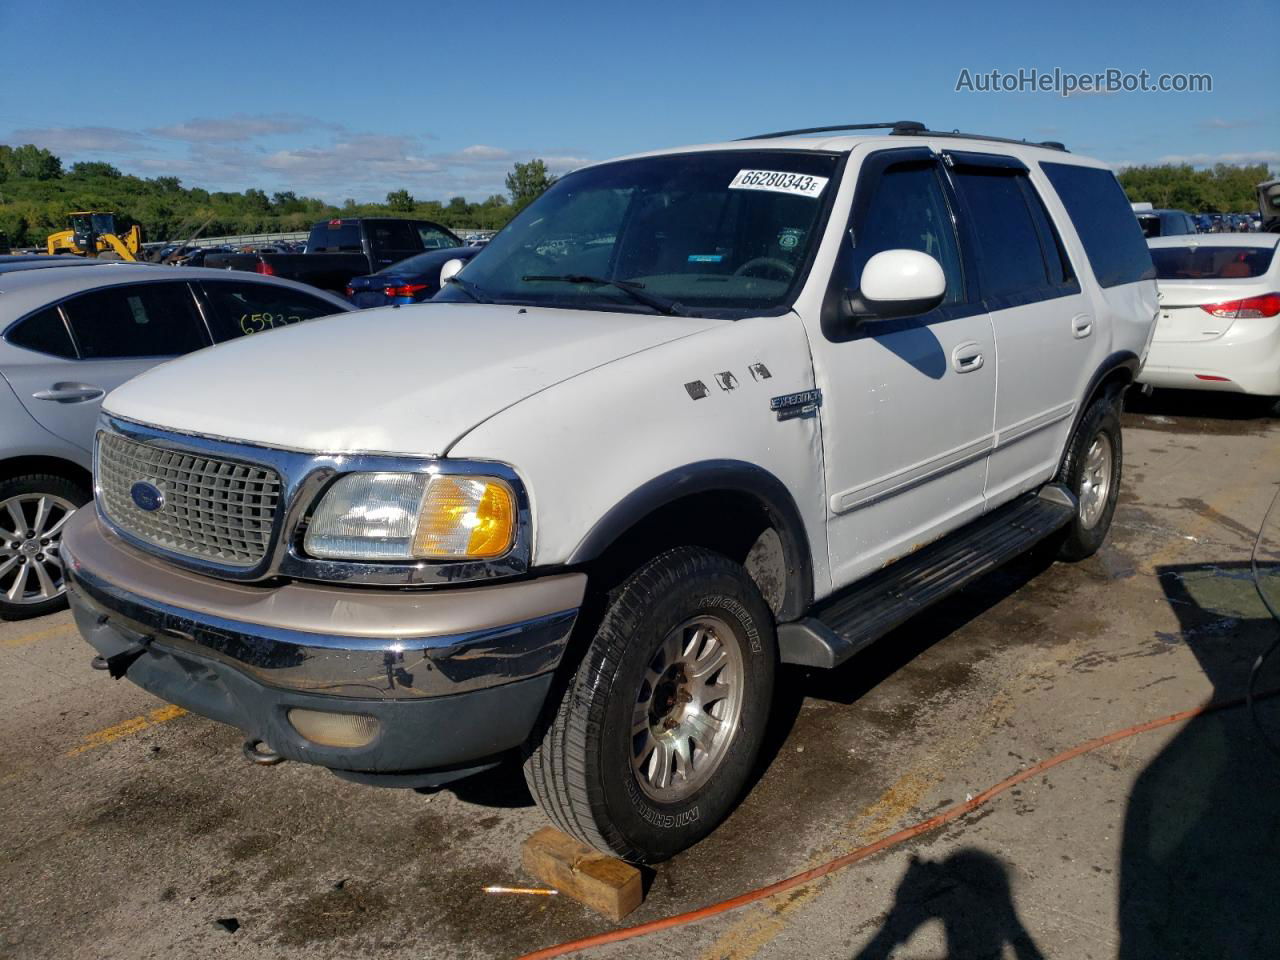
[(1209, 262), (727, 233)]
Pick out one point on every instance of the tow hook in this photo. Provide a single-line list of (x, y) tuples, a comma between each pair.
[(256, 751)]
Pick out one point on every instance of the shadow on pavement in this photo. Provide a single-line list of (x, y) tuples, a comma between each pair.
[(1200, 855), (1206, 404), (969, 893)]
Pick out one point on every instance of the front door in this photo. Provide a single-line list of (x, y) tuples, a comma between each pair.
[(908, 404)]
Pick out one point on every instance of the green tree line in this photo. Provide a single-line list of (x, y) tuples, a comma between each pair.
[(1221, 189), (37, 192)]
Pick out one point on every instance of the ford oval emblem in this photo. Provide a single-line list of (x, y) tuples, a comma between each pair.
[(147, 496)]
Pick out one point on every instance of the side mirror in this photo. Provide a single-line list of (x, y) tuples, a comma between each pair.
[(897, 283), (449, 269)]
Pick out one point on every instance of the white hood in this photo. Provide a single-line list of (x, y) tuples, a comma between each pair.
[(408, 380)]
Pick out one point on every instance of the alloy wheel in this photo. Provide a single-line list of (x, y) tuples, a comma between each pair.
[(688, 709), (1095, 481), (31, 526)]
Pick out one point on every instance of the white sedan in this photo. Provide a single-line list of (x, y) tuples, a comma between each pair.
[(1219, 326)]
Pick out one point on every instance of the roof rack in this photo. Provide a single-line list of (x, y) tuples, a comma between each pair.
[(1048, 144), (895, 126), (909, 128)]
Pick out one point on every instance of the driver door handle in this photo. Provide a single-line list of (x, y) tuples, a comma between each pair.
[(967, 357), (70, 393)]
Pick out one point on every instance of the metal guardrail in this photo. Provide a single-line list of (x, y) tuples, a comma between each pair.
[(239, 240)]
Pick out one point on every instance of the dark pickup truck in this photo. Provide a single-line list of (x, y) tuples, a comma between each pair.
[(338, 250)]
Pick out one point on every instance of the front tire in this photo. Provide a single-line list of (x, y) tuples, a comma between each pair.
[(1092, 471), (656, 735), (34, 510)]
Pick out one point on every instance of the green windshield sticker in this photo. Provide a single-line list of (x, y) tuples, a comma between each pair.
[(705, 257)]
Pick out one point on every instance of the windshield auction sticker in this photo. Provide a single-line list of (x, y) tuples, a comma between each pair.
[(799, 184)]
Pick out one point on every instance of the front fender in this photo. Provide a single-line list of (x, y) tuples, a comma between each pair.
[(603, 448), (714, 476)]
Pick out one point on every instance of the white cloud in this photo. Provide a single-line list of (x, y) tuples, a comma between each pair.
[(1270, 157), (323, 159), (1219, 123), (71, 140), (240, 127)]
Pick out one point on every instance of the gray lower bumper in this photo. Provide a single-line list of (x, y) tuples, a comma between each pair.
[(392, 644), (444, 700)]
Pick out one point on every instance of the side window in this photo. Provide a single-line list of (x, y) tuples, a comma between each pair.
[(44, 332), (240, 309), (153, 320), (1102, 217), (908, 211), (391, 239), (1009, 252), (434, 238)]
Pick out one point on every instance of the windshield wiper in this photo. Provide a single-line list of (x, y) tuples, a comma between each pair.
[(632, 288), (470, 289)]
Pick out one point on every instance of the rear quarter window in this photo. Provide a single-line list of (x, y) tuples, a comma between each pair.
[(1194, 262), (43, 332), (1108, 230)]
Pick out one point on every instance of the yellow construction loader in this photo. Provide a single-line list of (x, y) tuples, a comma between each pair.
[(93, 234)]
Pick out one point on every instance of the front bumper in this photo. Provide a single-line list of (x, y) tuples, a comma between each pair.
[(453, 677)]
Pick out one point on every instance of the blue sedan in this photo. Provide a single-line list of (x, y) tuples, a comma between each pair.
[(412, 280)]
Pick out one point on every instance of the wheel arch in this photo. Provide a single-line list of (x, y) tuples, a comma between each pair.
[(11, 467), (724, 505), (1116, 373)]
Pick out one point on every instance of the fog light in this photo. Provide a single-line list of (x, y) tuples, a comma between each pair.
[(334, 729)]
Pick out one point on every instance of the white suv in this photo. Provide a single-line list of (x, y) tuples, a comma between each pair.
[(692, 414)]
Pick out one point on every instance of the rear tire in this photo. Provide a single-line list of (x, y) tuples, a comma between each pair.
[(31, 576), (656, 735), (1091, 471)]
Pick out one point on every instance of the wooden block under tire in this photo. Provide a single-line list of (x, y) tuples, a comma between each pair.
[(605, 884)]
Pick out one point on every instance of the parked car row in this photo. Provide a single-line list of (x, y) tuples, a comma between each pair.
[(1169, 223), (341, 249)]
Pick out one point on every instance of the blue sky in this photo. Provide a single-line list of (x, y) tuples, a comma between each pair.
[(343, 100)]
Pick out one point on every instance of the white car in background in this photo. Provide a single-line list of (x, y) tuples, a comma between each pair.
[(1219, 325)]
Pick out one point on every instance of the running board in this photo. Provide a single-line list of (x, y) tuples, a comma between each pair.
[(842, 625)]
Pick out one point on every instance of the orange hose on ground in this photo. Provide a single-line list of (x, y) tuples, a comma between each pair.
[(862, 853)]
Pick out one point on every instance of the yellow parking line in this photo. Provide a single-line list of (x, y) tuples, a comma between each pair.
[(126, 728), (26, 638)]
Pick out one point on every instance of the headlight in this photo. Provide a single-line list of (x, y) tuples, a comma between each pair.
[(413, 516)]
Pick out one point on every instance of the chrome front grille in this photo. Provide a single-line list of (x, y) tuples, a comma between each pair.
[(218, 510)]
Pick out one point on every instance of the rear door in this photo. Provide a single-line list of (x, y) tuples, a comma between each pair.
[(79, 350), (1044, 324)]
